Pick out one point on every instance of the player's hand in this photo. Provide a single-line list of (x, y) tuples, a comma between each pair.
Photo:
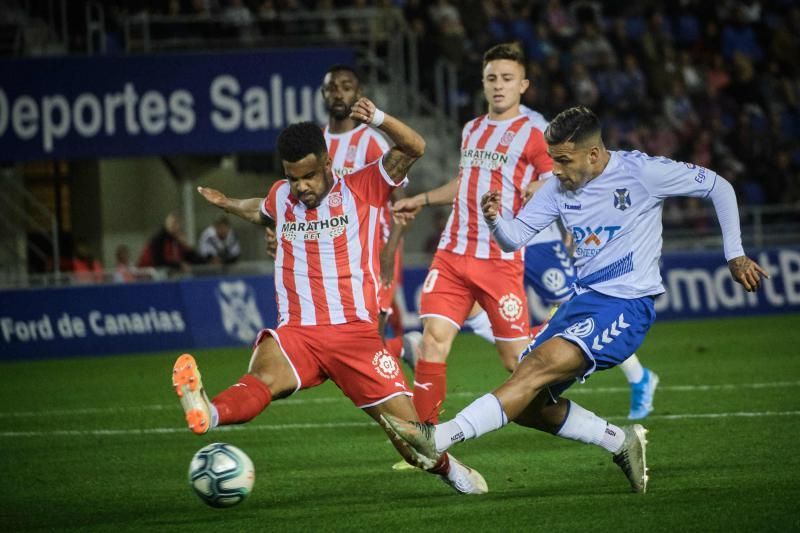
[(271, 242), (527, 193), (490, 205), (363, 110), (747, 272), (213, 196), (405, 209)]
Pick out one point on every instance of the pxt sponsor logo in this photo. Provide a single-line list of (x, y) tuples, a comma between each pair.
[(594, 236)]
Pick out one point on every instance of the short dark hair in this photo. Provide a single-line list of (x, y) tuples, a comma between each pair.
[(344, 68), (298, 140), (575, 124), (510, 51)]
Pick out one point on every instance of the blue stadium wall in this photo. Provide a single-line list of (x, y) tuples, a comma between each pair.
[(225, 311)]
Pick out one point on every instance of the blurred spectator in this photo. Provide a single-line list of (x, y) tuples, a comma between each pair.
[(236, 16), (124, 271), (592, 48), (218, 243), (583, 87), (168, 248), (85, 267)]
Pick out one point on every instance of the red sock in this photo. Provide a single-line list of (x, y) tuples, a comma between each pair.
[(442, 466), (242, 402), (430, 386), (394, 347)]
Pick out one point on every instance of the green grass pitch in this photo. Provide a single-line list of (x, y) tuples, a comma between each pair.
[(98, 444)]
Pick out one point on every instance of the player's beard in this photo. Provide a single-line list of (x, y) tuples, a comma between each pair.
[(340, 112)]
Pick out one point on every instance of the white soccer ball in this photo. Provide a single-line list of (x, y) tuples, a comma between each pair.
[(222, 475)]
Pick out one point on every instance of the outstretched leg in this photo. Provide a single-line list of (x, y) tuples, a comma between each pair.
[(270, 376), (454, 473)]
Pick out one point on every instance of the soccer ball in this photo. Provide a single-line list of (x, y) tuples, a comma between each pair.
[(222, 475)]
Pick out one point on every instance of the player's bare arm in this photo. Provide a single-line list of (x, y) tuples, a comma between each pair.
[(747, 272), (247, 209), (270, 242), (388, 252), (406, 209), (490, 205), (408, 144)]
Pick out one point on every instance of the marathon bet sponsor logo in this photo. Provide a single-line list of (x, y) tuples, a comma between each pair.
[(314, 230)]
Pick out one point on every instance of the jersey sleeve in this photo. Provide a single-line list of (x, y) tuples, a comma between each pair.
[(268, 208), (664, 177), (536, 215), (372, 184), (536, 154), (376, 147)]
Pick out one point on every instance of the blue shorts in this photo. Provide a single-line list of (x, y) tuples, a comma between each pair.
[(607, 329), (549, 270)]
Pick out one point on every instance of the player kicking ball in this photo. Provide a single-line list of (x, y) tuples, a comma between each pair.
[(326, 284), (617, 196)]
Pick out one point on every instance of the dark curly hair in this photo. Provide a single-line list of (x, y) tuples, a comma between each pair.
[(343, 68), (298, 140), (575, 124)]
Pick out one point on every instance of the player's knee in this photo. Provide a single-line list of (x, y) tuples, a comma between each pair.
[(435, 346)]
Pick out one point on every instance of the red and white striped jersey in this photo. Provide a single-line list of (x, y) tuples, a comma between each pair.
[(354, 149), (326, 265), (495, 155)]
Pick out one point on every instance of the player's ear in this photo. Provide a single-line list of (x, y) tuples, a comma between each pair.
[(524, 86)]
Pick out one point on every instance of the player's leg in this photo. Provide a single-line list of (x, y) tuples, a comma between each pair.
[(270, 376), (643, 382), (445, 303), (567, 419), (459, 476), (478, 321), (499, 290), (554, 361), (590, 332)]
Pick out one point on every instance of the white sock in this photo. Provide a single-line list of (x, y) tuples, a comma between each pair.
[(481, 326), (633, 369), (584, 426), (481, 416)]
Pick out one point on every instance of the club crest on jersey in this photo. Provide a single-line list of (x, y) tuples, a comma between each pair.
[(350, 156), (622, 199), (507, 137), (334, 199), (385, 365), (510, 307), (584, 328)]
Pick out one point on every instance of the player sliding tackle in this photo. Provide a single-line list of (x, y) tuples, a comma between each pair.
[(326, 267), (616, 198)]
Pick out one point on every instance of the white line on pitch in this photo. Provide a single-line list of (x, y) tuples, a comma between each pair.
[(329, 425), (342, 399)]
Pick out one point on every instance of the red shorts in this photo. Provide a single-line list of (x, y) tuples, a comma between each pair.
[(352, 355), (386, 294), (455, 282)]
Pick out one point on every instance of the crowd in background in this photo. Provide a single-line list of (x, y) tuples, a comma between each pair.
[(715, 83)]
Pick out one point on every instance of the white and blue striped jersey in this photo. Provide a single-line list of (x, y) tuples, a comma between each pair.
[(616, 220)]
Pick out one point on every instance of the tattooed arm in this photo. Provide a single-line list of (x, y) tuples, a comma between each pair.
[(408, 144)]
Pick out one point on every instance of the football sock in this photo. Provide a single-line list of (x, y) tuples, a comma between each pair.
[(394, 346), (243, 401), (585, 426), (481, 326), (633, 369), (481, 416), (442, 466), (430, 386)]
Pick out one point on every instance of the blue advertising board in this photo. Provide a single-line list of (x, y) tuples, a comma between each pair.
[(107, 319), (90, 107), (229, 311)]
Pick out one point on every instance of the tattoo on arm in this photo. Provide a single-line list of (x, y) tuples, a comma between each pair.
[(397, 163)]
